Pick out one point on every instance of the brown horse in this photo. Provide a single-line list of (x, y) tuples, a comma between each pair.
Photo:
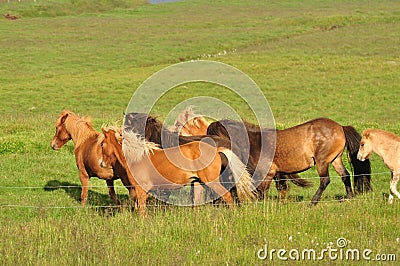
[(87, 151), (387, 146), (190, 124), (153, 130), (154, 170), (318, 142)]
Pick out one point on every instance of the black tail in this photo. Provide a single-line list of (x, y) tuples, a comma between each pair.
[(362, 170)]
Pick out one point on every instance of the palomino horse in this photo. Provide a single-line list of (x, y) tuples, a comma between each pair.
[(87, 153), (153, 169), (318, 142), (154, 131), (190, 124), (387, 146)]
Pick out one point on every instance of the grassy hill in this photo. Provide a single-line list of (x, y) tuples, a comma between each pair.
[(337, 59)]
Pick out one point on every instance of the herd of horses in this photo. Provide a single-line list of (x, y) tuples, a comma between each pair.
[(232, 159)]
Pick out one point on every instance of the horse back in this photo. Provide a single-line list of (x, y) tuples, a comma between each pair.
[(299, 147)]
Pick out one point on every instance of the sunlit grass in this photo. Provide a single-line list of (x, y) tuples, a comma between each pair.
[(338, 59)]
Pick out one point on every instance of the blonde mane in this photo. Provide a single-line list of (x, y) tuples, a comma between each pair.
[(384, 133), (136, 146), (187, 117)]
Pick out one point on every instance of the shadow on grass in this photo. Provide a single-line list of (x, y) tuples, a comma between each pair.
[(102, 203)]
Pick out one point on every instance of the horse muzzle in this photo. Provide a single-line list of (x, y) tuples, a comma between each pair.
[(360, 157), (103, 164), (54, 146)]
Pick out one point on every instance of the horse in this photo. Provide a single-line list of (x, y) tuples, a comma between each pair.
[(189, 124), (153, 169), (153, 130), (387, 146), (317, 142), (87, 149)]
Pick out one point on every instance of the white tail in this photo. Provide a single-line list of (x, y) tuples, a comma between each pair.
[(244, 182)]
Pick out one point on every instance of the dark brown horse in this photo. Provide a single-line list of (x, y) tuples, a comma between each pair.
[(87, 151), (318, 142), (154, 131)]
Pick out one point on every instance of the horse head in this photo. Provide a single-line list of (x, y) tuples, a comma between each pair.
[(111, 146), (62, 135), (365, 149)]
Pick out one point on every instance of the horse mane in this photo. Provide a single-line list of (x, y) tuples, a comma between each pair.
[(186, 116), (107, 128), (80, 128), (385, 133), (152, 129), (136, 146)]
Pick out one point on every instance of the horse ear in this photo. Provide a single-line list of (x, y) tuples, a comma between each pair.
[(366, 134), (63, 118)]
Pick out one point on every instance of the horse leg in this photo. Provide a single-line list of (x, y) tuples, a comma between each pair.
[(222, 191), (266, 182), (111, 191), (83, 176), (324, 181), (130, 187), (198, 195), (281, 186), (393, 186), (342, 171), (142, 196)]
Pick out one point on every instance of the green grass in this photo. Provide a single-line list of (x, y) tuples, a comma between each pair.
[(338, 59)]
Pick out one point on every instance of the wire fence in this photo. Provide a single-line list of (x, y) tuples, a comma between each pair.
[(54, 187)]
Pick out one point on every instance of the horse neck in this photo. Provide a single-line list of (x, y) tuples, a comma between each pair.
[(80, 130), (382, 143)]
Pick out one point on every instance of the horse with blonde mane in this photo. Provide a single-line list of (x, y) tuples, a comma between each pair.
[(190, 124), (87, 149), (387, 146), (153, 130), (153, 168)]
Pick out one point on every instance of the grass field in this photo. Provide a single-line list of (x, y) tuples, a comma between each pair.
[(337, 59)]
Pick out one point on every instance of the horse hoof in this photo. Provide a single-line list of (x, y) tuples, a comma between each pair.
[(390, 199), (312, 203)]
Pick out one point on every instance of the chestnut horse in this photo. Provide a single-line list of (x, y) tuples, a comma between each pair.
[(153, 169), (154, 131), (190, 124), (387, 146), (87, 153), (317, 142)]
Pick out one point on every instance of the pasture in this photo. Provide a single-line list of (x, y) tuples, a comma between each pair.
[(336, 59)]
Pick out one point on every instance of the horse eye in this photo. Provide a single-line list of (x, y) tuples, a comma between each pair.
[(362, 144)]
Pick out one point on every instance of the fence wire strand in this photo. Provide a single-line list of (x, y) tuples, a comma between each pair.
[(2, 206)]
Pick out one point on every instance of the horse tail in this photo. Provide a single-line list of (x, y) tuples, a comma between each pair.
[(298, 181), (244, 182), (362, 170)]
